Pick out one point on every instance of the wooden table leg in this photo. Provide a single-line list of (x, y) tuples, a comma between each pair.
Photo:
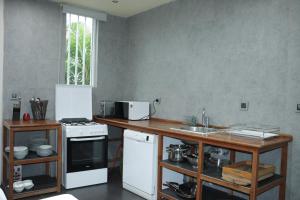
[(232, 158), (200, 170), (47, 168), (11, 163), (283, 171), (159, 171), (58, 163), (4, 164), (254, 181)]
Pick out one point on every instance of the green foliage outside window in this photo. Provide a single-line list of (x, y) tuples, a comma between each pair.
[(88, 37)]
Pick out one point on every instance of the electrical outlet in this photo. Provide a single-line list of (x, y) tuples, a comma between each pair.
[(244, 106), (298, 108), (157, 100)]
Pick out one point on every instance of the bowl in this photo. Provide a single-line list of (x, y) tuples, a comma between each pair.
[(35, 142), (44, 150), (18, 186), (20, 152), (28, 184)]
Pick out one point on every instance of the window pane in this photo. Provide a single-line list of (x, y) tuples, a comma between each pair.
[(78, 49)]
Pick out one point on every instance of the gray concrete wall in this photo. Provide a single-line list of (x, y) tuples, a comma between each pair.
[(32, 49), (112, 60), (32, 55), (1, 63), (33, 34), (212, 54)]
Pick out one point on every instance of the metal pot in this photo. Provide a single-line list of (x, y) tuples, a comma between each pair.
[(192, 159), (176, 152), (185, 190)]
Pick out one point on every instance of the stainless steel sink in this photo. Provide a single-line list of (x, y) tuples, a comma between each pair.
[(196, 129)]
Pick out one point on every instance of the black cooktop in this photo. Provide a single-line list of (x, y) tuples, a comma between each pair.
[(74, 120)]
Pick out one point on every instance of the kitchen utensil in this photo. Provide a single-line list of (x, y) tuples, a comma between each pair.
[(219, 156), (254, 130), (44, 150), (185, 190), (28, 184), (16, 100), (176, 151), (18, 186), (39, 109), (26, 116), (192, 159), (20, 152)]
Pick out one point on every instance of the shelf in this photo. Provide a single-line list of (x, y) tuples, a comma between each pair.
[(170, 194), (42, 185), (32, 158), (180, 167), (214, 175), (208, 193)]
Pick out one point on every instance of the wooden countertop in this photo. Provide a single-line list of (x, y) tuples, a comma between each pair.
[(31, 124), (221, 139)]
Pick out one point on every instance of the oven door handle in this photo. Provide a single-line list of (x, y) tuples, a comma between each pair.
[(87, 139)]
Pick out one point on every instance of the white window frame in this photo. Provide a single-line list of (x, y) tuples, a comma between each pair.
[(96, 16)]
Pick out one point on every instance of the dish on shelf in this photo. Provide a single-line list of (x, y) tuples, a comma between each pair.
[(20, 152), (254, 130), (18, 186), (44, 150), (28, 184), (35, 142)]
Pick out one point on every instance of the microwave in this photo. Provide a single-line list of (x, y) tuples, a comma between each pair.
[(132, 110)]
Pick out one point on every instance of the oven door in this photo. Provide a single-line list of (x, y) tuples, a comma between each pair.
[(86, 153)]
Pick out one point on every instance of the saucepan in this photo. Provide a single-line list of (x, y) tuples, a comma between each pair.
[(185, 190), (176, 152)]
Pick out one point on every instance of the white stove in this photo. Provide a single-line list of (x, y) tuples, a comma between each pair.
[(76, 128), (84, 142)]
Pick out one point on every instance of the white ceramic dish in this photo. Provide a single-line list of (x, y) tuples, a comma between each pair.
[(35, 142), (18, 186), (44, 150), (20, 152), (28, 184)]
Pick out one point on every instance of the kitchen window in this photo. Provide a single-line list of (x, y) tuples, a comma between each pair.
[(81, 50)]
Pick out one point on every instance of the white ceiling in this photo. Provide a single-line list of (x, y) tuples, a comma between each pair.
[(124, 8)]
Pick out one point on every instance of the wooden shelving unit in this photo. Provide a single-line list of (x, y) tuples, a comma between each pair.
[(44, 183), (207, 193), (214, 175), (183, 168), (162, 128)]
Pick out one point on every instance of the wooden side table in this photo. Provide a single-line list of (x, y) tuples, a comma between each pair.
[(42, 184)]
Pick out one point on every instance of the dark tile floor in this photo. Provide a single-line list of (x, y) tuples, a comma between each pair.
[(111, 191)]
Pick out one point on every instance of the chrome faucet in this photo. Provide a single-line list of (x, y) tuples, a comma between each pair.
[(204, 118)]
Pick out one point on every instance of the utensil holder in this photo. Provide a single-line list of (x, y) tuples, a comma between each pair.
[(39, 109)]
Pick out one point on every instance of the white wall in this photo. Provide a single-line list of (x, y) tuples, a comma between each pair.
[(1, 70)]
